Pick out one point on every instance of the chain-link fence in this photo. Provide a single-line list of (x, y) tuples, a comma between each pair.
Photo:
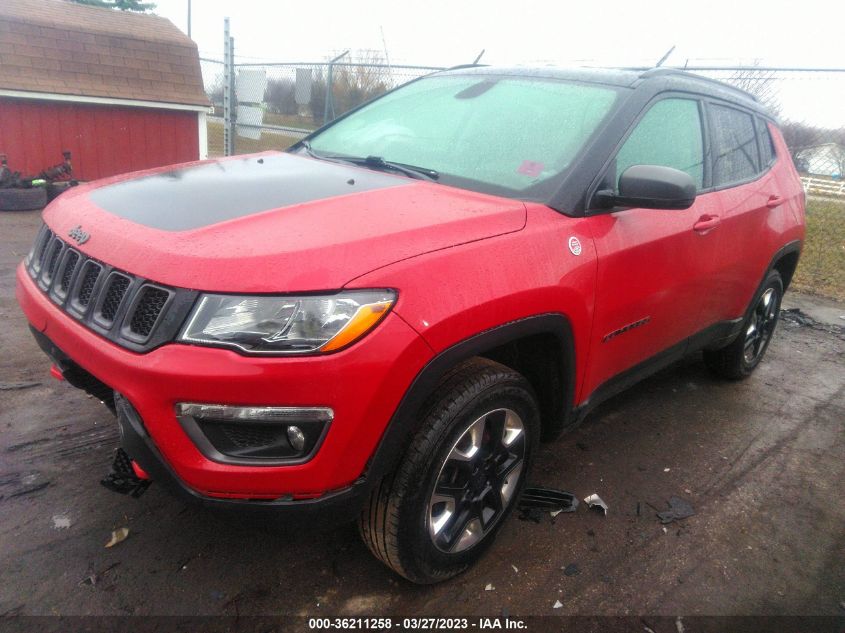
[(297, 99), (809, 104)]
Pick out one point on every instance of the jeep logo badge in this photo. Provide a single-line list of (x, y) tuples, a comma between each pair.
[(78, 235), (575, 245)]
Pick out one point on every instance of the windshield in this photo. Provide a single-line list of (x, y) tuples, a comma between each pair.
[(510, 136)]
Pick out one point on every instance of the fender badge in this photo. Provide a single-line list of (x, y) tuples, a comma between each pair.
[(574, 245), (80, 237)]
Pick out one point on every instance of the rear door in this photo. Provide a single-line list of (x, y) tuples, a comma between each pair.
[(654, 266), (742, 157)]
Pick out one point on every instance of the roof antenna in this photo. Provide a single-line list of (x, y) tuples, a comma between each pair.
[(478, 59), (664, 58)]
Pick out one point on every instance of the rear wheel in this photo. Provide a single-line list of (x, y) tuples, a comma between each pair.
[(739, 359), (442, 507)]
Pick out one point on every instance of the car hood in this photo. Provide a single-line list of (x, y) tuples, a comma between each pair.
[(271, 222)]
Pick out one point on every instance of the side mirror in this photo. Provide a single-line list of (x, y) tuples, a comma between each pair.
[(650, 187)]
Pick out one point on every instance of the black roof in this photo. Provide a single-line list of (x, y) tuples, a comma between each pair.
[(668, 78)]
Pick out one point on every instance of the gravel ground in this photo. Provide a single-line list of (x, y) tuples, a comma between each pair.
[(762, 463)]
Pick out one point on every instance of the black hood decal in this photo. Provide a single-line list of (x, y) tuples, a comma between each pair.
[(195, 197)]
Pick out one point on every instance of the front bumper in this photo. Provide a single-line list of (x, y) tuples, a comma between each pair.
[(362, 384)]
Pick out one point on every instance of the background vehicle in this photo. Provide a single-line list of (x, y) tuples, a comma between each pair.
[(418, 293)]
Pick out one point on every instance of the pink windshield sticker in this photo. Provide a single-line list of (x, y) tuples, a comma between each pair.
[(531, 168)]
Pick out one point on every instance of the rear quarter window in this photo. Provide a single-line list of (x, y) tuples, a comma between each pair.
[(735, 153)]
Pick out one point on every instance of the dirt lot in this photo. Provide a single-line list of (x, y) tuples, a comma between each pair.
[(762, 462)]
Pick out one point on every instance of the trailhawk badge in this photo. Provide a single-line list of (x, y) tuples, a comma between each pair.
[(575, 245)]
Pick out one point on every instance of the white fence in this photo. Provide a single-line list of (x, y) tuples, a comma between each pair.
[(823, 187)]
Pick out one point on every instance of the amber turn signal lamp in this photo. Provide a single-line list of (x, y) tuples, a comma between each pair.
[(362, 322)]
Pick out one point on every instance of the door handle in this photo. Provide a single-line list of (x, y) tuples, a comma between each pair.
[(705, 223), (774, 201)]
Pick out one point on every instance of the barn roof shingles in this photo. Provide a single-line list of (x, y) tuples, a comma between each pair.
[(54, 46)]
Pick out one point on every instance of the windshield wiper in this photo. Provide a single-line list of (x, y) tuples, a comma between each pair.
[(412, 171), (307, 147), (375, 162)]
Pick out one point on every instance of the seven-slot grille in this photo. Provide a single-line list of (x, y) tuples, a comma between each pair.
[(127, 309)]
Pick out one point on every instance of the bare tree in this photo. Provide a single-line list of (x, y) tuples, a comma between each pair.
[(800, 137), (280, 96), (354, 83)]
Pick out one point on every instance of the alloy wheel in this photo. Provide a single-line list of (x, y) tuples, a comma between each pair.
[(477, 481), (761, 326)]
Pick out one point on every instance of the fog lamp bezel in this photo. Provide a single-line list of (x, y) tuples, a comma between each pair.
[(188, 414)]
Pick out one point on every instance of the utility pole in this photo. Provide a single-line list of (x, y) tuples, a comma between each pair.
[(328, 108), (189, 18)]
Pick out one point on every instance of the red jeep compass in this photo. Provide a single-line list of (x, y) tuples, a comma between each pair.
[(384, 321)]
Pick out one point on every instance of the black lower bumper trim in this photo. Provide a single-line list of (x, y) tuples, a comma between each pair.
[(122, 478), (336, 507)]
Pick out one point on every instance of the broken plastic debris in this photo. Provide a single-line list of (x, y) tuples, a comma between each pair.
[(554, 501), (118, 536), (557, 605), (594, 501), (61, 521), (489, 587), (678, 509), (666, 470), (515, 568)]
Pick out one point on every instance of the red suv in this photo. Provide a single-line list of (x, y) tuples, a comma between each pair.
[(384, 321)]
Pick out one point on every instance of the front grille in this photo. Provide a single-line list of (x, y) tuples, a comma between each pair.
[(126, 309), (150, 304), (115, 291), (90, 273), (41, 253), (56, 248), (71, 260)]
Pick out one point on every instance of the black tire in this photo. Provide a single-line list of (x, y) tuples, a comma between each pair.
[(55, 189), (736, 361), (23, 199), (396, 522)]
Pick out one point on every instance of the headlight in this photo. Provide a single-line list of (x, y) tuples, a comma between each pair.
[(286, 325)]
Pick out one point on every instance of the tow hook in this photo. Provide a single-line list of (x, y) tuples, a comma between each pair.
[(126, 477)]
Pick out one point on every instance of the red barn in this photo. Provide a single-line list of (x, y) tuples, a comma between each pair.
[(121, 91)]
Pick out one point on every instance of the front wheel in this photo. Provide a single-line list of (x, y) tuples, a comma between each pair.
[(442, 507), (740, 358)]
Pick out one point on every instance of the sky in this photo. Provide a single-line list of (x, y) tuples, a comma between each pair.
[(809, 33)]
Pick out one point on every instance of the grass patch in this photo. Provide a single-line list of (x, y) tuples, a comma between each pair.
[(290, 120), (821, 269), (245, 145)]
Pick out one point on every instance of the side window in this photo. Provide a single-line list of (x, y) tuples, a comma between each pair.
[(734, 145), (668, 135), (767, 148)]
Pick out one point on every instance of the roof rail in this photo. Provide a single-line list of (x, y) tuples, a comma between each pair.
[(678, 72)]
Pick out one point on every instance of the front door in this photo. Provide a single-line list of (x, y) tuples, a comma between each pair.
[(654, 266)]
